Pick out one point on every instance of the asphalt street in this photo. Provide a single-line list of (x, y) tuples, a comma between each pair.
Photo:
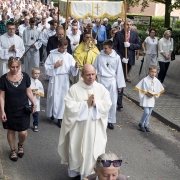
[(146, 156)]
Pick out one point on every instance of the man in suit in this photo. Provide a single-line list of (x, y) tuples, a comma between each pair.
[(53, 41), (132, 43)]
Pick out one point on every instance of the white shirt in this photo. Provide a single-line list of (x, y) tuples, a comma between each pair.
[(46, 34), (165, 45), (40, 26), (49, 19), (74, 38), (151, 45), (21, 28)]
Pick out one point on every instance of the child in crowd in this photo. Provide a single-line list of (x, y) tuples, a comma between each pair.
[(38, 91), (149, 89)]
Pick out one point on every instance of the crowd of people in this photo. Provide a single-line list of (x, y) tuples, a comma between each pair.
[(87, 69)]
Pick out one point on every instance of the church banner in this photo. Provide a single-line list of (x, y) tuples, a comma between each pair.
[(94, 9)]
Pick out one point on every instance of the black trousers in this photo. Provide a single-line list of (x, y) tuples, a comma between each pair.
[(124, 68), (41, 53), (100, 45), (163, 70)]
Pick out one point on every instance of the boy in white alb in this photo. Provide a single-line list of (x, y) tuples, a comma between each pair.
[(38, 91), (149, 89)]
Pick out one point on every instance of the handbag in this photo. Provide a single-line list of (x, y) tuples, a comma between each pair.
[(172, 56), (29, 109)]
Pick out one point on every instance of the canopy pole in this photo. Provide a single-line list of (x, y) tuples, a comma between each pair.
[(67, 15), (58, 11), (125, 35)]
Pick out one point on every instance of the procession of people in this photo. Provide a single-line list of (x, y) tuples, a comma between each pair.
[(86, 67)]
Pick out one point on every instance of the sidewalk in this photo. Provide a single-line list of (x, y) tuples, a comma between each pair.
[(167, 107)]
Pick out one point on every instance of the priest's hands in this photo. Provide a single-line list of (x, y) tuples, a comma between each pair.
[(91, 101), (12, 48), (58, 63)]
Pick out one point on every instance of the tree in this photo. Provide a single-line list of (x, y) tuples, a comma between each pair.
[(169, 6)]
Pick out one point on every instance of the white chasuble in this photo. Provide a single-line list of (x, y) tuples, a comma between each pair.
[(83, 132), (5, 43), (110, 74), (146, 85), (58, 81)]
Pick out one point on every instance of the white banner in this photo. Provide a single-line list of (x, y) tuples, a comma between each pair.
[(95, 9)]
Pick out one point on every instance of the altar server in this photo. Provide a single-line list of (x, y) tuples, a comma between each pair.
[(10, 45), (32, 43), (59, 65), (110, 74), (149, 88)]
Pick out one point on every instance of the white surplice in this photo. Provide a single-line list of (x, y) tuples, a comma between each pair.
[(31, 59), (149, 84), (36, 84), (110, 74), (58, 81), (74, 38), (6, 42), (83, 132), (46, 34)]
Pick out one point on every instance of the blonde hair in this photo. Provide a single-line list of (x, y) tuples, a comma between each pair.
[(106, 156), (167, 32), (10, 62), (153, 67), (35, 69)]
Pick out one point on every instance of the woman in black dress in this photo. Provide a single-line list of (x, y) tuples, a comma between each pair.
[(14, 94)]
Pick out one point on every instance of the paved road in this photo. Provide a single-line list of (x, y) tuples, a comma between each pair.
[(146, 156)]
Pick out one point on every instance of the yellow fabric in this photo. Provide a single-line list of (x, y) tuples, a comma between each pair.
[(83, 57), (145, 92)]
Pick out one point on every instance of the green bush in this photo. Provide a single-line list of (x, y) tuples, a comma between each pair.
[(177, 24)]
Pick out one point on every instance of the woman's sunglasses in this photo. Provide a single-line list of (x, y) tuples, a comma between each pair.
[(14, 58), (107, 163)]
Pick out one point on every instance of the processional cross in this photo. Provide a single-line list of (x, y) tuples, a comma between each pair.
[(97, 7)]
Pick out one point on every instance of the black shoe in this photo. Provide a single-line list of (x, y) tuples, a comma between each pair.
[(59, 123), (110, 126), (52, 118), (142, 128), (147, 129), (119, 108)]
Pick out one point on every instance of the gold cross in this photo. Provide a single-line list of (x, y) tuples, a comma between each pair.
[(107, 64), (97, 7)]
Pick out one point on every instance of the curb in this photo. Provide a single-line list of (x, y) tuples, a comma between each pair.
[(159, 117), (2, 177)]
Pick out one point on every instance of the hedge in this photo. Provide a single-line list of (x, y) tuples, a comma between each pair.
[(177, 24)]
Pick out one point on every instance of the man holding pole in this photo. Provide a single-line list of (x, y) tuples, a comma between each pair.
[(126, 39)]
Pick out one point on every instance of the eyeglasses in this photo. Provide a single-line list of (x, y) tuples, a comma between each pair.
[(74, 29), (11, 29), (14, 58), (107, 163), (36, 73), (88, 37)]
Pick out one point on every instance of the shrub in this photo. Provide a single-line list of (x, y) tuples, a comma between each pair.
[(177, 24)]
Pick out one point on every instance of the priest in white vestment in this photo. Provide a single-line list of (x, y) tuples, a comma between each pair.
[(10, 45), (110, 74), (31, 39), (59, 65), (83, 133)]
